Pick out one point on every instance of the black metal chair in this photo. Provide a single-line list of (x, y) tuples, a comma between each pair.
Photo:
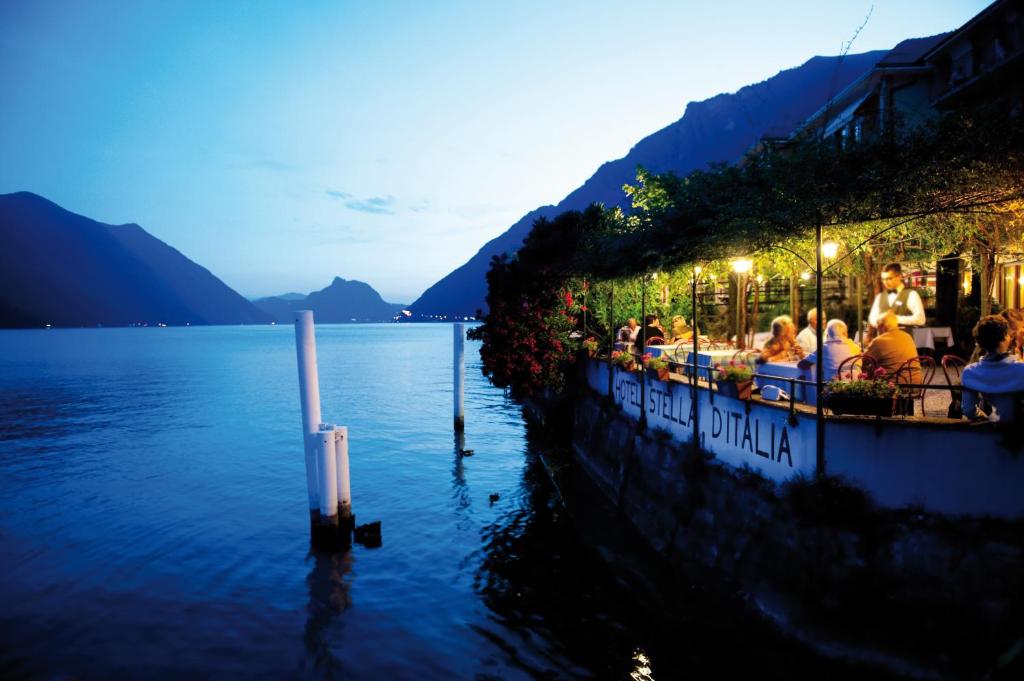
[(952, 369), (922, 368), (853, 367)]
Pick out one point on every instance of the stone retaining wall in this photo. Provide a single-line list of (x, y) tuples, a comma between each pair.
[(921, 593)]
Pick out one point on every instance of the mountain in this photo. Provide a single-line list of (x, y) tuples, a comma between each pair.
[(719, 129), (64, 269), (341, 301)]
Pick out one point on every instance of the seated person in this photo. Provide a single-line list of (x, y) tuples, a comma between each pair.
[(652, 329), (893, 347), (1015, 319), (628, 333), (680, 331), (808, 337), (837, 348), (997, 375), (782, 347)]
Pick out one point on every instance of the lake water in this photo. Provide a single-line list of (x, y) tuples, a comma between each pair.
[(154, 522)]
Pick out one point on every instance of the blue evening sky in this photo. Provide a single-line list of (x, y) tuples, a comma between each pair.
[(282, 143)]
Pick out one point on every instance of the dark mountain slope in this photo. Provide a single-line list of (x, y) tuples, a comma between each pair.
[(64, 269), (718, 129)]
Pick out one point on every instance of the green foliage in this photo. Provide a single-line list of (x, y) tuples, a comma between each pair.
[(863, 388), (952, 172), (530, 334), (623, 359)]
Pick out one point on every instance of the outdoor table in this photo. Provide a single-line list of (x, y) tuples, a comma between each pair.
[(683, 353), (675, 352), (925, 336), (760, 338), (709, 358), (785, 370)]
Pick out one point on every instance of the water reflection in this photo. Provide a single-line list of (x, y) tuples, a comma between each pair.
[(575, 592), (460, 491), (329, 595)]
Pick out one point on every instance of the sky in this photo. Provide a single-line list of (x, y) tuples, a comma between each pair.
[(281, 144)]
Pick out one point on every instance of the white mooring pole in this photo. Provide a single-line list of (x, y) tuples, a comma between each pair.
[(309, 396), (327, 475), (345, 517), (459, 375)]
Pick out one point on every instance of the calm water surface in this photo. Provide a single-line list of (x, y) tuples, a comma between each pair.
[(154, 520)]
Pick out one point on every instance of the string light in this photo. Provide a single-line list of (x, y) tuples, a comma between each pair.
[(742, 265)]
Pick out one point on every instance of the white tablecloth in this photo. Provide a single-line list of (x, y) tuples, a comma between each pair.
[(760, 338), (925, 336), (786, 370), (676, 353)]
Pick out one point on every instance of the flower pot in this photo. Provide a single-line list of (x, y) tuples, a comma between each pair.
[(740, 389), (657, 374), (628, 366), (862, 406), (591, 353)]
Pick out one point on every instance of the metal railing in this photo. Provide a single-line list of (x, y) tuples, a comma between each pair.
[(693, 369)]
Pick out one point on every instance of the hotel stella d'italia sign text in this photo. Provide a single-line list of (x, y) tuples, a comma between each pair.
[(761, 437)]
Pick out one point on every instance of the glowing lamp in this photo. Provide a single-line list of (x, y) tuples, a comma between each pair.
[(742, 265), (697, 269), (805, 275), (829, 249)]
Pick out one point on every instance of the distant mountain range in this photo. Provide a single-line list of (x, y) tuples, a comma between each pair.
[(720, 129), (64, 269), (342, 301)]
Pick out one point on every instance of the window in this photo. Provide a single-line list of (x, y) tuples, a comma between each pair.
[(962, 57)]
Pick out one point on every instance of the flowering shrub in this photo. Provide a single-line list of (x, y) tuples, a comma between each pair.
[(864, 387), (622, 359), (591, 345), (652, 362), (530, 331), (736, 372)]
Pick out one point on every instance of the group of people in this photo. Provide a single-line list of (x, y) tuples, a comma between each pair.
[(652, 332), (894, 310), (990, 382)]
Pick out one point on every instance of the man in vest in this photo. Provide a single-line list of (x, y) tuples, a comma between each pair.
[(903, 302)]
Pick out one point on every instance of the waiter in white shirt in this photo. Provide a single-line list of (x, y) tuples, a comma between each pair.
[(904, 302)]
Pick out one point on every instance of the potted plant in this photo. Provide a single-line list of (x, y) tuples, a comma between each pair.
[(591, 345), (867, 395), (734, 380), (659, 365), (623, 360)]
